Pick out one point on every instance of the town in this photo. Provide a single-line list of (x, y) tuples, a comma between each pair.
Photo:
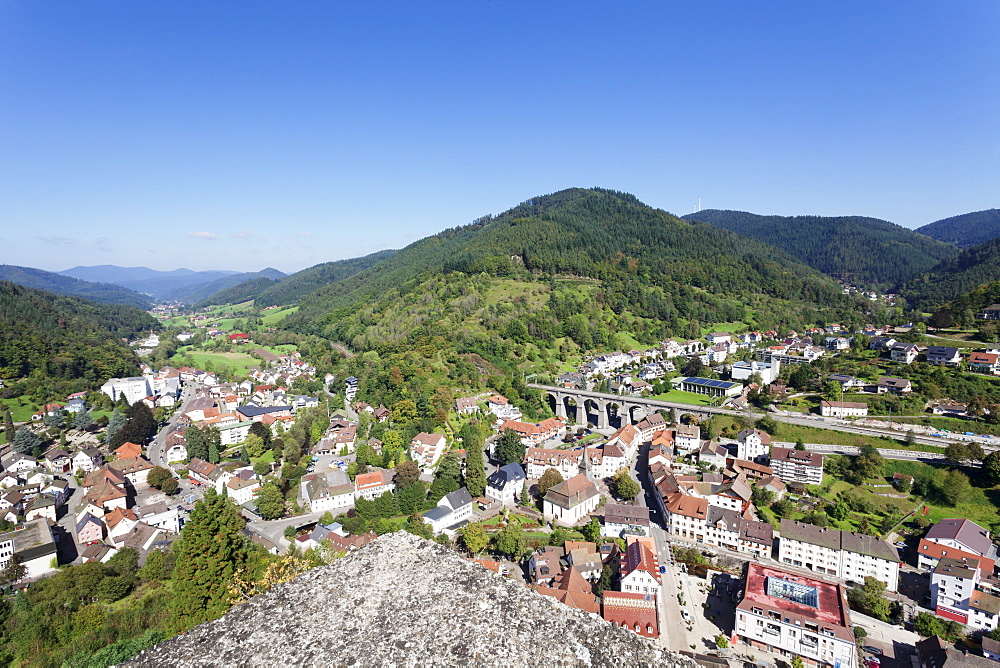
[(653, 497)]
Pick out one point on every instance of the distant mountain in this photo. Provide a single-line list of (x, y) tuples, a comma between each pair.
[(65, 342), (238, 293), (951, 279), (104, 293), (158, 284), (855, 248), (195, 293), (966, 230), (295, 286)]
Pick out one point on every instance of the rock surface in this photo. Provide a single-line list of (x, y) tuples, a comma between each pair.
[(405, 601)]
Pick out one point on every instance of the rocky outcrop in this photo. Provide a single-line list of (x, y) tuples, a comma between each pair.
[(405, 601)]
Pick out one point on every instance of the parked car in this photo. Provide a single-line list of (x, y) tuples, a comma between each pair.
[(872, 650)]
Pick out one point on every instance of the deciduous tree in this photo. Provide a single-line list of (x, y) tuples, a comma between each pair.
[(626, 488), (270, 502), (474, 538), (550, 478)]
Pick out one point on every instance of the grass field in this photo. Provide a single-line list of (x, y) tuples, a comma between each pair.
[(276, 316), (684, 398), (18, 411), (981, 507), (793, 432), (238, 361)]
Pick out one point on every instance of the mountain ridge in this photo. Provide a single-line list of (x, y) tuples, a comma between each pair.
[(104, 293), (647, 270), (854, 248), (965, 230), (953, 278)]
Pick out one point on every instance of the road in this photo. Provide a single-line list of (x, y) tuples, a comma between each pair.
[(908, 455), (274, 530), (779, 416), (155, 450)]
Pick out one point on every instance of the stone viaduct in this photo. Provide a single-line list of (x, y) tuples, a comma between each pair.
[(629, 409)]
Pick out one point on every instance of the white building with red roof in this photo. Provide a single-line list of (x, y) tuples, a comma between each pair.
[(793, 615), (426, 449), (640, 571)]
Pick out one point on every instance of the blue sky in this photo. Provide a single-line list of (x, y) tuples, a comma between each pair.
[(238, 135)]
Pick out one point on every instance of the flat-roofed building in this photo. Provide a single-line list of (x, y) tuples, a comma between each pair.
[(33, 544), (709, 386), (794, 615)]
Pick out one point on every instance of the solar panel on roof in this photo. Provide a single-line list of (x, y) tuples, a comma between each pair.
[(710, 382)]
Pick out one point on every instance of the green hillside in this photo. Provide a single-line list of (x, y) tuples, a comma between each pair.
[(967, 230), (953, 278), (199, 291), (648, 261), (295, 286), (855, 248), (639, 270), (62, 344), (106, 293), (240, 292)]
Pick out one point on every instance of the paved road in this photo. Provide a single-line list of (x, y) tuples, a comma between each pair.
[(909, 455), (780, 416), (155, 449), (274, 530)]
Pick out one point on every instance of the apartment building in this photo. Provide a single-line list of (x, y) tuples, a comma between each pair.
[(845, 554), (793, 615)]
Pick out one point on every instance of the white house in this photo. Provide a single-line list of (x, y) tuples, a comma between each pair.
[(571, 500), (506, 483), (33, 544), (640, 571), (797, 465), (373, 484), (159, 515), (452, 511), (426, 449), (623, 520), (842, 409), (87, 459), (956, 594), (243, 488), (753, 445), (331, 491)]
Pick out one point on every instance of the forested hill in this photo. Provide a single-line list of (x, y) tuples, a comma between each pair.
[(295, 286), (238, 293), (953, 278), (106, 293), (65, 343), (196, 293), (648, 262), (966, 230), (858, 249)]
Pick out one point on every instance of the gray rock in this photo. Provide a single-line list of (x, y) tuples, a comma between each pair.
[(405, 601)]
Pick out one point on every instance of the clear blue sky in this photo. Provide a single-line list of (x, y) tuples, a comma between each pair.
[(237, 135)]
